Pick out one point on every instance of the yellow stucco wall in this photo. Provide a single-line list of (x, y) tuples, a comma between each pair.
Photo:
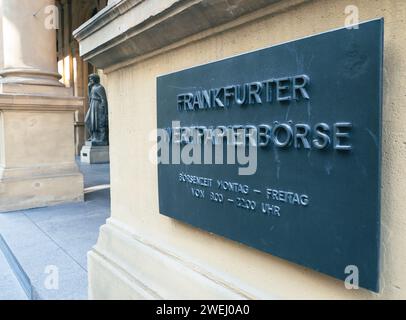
[(132, 98)]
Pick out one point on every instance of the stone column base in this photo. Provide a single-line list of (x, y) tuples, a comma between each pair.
[(37, 156), (31, 190), (150, 271), (94, 154)]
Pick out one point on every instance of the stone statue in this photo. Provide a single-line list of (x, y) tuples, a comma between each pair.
[(97, 123)]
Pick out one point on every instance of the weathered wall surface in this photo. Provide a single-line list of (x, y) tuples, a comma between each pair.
[(137, 234)]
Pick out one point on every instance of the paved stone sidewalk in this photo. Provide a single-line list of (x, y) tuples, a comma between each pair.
[(10, 288), (54, 241)]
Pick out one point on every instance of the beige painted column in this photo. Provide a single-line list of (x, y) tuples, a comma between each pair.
[(29, 46), (37, 163)]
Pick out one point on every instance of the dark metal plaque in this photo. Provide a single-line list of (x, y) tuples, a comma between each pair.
[(313, 108)]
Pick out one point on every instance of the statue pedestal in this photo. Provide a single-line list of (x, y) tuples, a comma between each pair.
[(94, 154)]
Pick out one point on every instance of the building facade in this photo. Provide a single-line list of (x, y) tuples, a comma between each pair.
[(73, 69), (142, 254)]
